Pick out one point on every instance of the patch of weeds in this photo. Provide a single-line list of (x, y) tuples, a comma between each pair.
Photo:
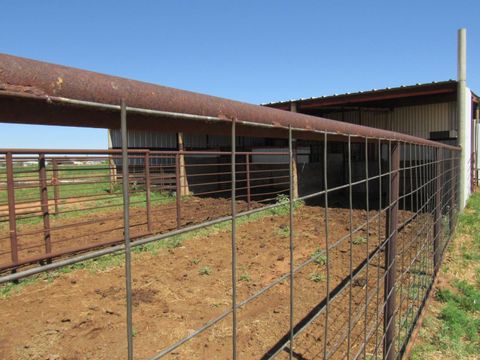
[(195, 261), (320, 257), (245, 277), (457, 325), (316, 277), (444, 295), (284, 231), (134, 332), (283, 202), (469, 297), (93, 265), (469, 255), (9, 288), (205, 271), (359, 240)]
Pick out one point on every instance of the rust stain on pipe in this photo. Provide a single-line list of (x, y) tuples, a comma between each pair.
[(44, 80)]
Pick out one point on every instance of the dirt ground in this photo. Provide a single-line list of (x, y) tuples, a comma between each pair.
[(81, 315), (92, 229)]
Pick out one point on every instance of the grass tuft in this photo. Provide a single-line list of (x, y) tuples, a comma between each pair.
[(205, 271)]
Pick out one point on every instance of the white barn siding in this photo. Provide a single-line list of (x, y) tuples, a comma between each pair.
[(418, 120)]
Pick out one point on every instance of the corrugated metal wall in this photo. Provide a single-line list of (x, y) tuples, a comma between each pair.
[(144, 139), (418, 120), (168, 141)]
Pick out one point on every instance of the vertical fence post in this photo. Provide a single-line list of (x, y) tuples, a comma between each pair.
[(146, 163), (453, 189), (327, 246), (55, 183), (390, 252), (437, 228), (126, 224), (42, 177), (12, 219), (234, 242), (292, 197), (247, 167), (178, 190)]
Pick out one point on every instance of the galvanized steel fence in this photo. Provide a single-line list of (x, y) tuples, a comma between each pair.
[(380, 236)]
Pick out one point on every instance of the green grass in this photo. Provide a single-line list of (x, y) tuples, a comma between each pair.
[(66, 172), (316, 277), (100, 188), (452, 328), (359, 240), (284, 231), (205, 271), (245, 277), (320, 257)]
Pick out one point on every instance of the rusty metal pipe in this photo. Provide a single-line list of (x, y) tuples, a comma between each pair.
[(62, 92)]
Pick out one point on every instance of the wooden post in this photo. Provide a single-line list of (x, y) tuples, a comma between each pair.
[(42, 177), (178, 191), (294, 171), (293, 108), (184, 190), (112, 168), (390, 254), (113, 173), (12, 220), (146, 163), (55, 183)]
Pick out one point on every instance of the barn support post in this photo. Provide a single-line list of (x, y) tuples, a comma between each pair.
[(437, 228), (112, 168), (126, 228), (178, 195), (12, 219), (391, 252), (234, 241), (55, 183), (184, 189), (42, 177), (293, 108), (113, 173), (294, 170), (146, 163)]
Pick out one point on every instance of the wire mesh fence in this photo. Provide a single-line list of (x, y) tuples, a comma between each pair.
[(325, 256)]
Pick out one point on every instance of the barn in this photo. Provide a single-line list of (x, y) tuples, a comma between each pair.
[(444, 111)]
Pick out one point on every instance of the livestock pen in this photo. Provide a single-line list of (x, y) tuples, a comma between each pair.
[(216, 253)]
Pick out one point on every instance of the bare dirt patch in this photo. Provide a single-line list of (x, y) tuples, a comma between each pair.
[(81, 315), (93, 229)]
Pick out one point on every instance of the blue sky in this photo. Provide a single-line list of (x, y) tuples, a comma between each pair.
[(255, 51)]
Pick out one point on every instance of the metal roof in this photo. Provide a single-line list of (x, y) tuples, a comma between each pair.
[(403, 91)]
